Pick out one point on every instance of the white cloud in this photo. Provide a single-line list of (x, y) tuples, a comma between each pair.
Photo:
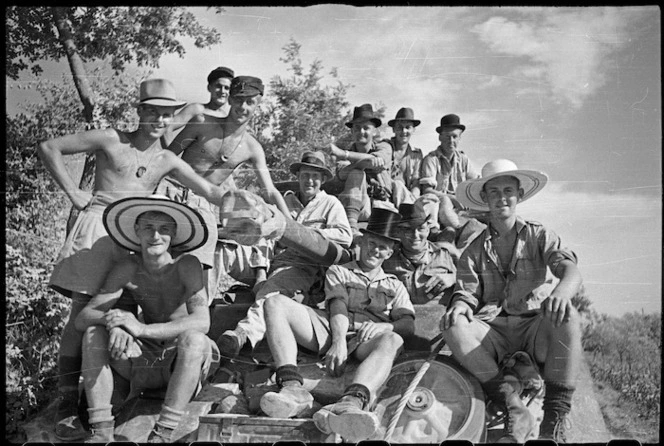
[(566, 48)]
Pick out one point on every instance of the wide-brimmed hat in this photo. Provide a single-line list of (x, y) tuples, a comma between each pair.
[(220, 72), (120, 217), (382, 223), (159, 92), (315, 160), (414, 215), (246, 86), (450, 120), (364, 113), (531, 181), (404, 114)]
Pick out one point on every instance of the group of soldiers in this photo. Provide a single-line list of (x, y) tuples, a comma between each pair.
[(157, 233)]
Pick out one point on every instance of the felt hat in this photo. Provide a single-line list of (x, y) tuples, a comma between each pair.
[(315, 160), (404, 114), (414, 215), (246, 86), (382, 223), (364, 113), (531, 181), (120, 217), (159, 92), (450, 120), (220, 72)]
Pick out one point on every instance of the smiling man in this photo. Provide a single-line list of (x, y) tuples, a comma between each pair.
[(169, 347), (365, 168), (426, 270), (406, 159), (215, 148), (219, 86), (126, 164), (368, 312), (293, 274), (506, 300)]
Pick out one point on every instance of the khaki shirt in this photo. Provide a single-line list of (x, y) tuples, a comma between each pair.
[(383, 299), (482, 283)]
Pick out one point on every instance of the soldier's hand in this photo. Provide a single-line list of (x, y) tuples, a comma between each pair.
[(335, 358), (458, 309), (557, 309), (81, 199)]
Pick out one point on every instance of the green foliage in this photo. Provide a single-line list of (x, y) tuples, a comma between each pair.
[(626, 353), (35, 221), (120, 35), (300, 112)]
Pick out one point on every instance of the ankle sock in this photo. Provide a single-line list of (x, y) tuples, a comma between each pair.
[(169, 418), (359, 391), (100, 414), (288, 372), (558, 398)]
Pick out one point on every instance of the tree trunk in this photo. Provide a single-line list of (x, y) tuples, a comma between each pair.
[(79, 75)]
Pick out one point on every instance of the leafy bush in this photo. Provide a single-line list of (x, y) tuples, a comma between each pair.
[(35, 224), (626, 353)]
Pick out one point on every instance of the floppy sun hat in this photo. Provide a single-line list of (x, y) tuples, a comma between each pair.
[(531, 181), (120, 217)]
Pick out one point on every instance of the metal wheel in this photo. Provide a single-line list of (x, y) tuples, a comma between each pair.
[(447, 404)]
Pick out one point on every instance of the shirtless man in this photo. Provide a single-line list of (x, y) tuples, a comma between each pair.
[(127, 164), (170, 348), (219, 86), (215, 148)]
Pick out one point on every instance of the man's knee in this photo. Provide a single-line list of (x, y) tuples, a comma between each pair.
[(390, 342), (276, 304), (192, 343), (571, 326)]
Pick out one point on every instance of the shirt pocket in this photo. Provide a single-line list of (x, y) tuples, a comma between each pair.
[(357, 296), (381, 300)]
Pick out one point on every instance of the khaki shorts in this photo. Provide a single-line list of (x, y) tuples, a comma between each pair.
[(510, 334), (153, 369)]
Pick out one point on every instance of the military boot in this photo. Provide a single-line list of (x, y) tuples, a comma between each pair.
[(519, 422), (346, 419), (290, 401)]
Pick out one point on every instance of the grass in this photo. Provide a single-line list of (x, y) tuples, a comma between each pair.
[(622, 418)]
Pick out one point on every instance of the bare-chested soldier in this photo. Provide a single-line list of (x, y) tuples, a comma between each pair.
[(219, 86), (127, 164), (215, 148), (169, 347)]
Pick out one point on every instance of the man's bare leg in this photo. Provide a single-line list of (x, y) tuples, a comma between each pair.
[(288, 324)]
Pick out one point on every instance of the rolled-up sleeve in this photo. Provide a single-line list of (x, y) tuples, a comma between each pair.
[(335, 284), (553, 252), (468, 286), (428, 171), (401, 305)]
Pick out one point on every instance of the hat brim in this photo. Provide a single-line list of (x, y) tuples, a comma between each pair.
[(295, 168), (468, 192), (162, 103), (377, 122), (368, 231), (415, 122), (120, 217), (455, 126)]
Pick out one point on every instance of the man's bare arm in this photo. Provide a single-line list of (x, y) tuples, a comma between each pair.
[(93, 313), (186, 137), (272, 195), (51, 153)]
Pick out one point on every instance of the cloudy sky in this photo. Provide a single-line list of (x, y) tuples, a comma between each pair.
[(573, 92)]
